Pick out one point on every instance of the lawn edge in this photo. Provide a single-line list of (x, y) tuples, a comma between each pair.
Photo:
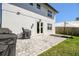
[(51, 46)]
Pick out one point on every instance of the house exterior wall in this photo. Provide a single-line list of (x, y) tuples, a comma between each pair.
[(42, 11), (25, 19)]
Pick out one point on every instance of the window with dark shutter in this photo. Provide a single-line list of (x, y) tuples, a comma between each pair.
[(38, 6), (49, 26), (41, 27), (37, 27), (31, 4), (49, 13)]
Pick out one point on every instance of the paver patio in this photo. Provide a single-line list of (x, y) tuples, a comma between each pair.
[(36, 45)]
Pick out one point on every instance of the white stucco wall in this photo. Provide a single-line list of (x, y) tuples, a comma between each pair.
[(42, 11), (15, 22)]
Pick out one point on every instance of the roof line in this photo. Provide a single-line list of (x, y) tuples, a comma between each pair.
[(51, 7)]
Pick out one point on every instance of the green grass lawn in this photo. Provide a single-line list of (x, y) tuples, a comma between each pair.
[(69, 47)]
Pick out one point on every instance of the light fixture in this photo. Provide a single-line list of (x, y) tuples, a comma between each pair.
[(18, 13), (39, 20)]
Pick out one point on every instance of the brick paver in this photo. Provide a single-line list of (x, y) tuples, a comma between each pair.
[(36, 45)]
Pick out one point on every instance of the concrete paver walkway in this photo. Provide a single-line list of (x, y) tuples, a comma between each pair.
[(34, 46)]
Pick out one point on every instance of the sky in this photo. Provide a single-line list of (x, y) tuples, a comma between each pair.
[(67, 11)]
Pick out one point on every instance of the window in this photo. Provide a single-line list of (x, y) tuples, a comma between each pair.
[(37, 27), (38, 6), (49, 26), (41, 27), (31, 4), (49, 14)]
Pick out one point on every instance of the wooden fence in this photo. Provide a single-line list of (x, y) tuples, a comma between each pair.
[(68, 30)]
